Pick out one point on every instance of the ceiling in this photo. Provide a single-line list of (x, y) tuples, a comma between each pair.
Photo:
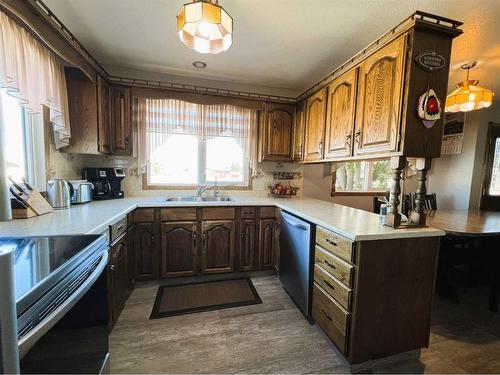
[(280, 47)]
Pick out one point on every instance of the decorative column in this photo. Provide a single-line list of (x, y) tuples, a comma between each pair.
[(418, 216), (397, 164)]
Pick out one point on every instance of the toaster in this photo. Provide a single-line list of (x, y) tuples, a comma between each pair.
[(81, 191)]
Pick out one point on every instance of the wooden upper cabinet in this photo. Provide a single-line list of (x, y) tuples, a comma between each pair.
[(340, 115), (379, 99), (298, 132), (218, 246), (121, 130), (277, 134), (103, 116), (82, 106), (315, 126), (179, 248)]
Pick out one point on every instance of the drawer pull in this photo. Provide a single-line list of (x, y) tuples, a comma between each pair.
[(330, 265), (120, 227), (331, 242), (328, 284), (326, 315)]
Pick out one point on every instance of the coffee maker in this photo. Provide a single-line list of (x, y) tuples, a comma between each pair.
[(107, 182)]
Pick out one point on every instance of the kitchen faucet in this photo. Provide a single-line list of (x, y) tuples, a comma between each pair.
[(201, 190)]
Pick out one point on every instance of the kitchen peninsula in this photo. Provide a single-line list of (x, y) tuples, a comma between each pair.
[(376, 274)]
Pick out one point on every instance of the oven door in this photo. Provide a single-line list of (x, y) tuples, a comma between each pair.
[(78, 341)]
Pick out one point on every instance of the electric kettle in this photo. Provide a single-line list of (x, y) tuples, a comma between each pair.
[(59, 193)]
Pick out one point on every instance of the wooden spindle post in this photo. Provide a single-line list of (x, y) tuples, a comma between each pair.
[(394, 217), (418, 216)]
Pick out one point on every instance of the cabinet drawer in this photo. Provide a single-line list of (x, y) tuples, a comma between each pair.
[(333, 287), (267, 212), (331, 317), (247, 213), (334, 243), (178, 214), (337, 267), (218, 213), (118, 228), (143, 215)]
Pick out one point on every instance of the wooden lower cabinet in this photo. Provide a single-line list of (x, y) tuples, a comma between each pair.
[(246, 248), (118, 277), (267, 241), (145, 251), (179, 248), (131, 258), (378, 303), (218, 246)]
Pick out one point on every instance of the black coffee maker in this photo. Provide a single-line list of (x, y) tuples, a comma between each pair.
[(107, 182)]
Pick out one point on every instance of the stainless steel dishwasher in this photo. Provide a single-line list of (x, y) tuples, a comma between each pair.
[(295, 270)]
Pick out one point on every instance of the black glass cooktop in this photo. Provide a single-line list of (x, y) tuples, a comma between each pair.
[(39, 258)]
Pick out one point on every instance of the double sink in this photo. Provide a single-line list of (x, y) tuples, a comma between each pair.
[(199, 199)]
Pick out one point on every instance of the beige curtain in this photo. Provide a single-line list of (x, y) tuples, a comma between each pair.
[(34, 75), (158, 119)]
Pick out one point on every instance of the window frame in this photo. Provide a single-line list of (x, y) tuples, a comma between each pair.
[(490, 202), (367, 181), (202, 148)]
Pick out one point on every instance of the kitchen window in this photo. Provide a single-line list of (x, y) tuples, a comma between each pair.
[(189, 144), (24, 142), (357, 177)]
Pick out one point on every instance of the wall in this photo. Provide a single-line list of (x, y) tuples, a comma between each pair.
[(457, 179)]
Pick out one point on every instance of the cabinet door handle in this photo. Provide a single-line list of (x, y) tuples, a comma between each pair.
[(330, 265), (326, 315), (195, 237), (331, 242), (356, 136), (112, 267), (204, 238), (328, 284), (242, 235), (348, 140)]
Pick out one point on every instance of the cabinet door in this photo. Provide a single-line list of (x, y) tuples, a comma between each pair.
[(145, 251), (218, 246), (103, 116), (178, 248), (82, 106), (315, 126), (131, 258), (278, 130), (340, 115), (298, 132), (379, 99), (267, 228), (247, 245), (119, 279), (120, 98)]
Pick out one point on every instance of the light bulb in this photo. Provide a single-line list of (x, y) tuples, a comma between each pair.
[(204, 28)]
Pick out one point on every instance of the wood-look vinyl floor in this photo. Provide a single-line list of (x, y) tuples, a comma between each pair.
[(274, 337)]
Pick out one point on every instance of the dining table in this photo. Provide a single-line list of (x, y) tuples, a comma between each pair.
[(471, 235)]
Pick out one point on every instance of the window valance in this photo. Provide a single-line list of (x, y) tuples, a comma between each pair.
[(34, 75)]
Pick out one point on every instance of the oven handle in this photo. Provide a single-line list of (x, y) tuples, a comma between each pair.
[(27, 342)]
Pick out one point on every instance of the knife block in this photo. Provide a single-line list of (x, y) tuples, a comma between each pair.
[(37, 206)]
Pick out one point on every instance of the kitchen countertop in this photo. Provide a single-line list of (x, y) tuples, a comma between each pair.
[(94, 217)]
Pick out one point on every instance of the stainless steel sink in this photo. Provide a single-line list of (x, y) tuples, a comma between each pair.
[(199, 199)]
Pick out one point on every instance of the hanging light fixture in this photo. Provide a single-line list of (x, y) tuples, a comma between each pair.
[(205, 26), (468, 96)]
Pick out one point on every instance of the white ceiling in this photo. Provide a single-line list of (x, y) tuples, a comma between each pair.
[(280, 47)]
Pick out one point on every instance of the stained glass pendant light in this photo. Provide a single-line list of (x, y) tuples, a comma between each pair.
[(203, 25), (468, 96)]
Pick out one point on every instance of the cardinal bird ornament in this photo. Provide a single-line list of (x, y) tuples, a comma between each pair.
[(429, 108)]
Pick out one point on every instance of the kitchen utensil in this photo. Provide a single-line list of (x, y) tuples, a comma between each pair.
[(59, 193), (82, 191)]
